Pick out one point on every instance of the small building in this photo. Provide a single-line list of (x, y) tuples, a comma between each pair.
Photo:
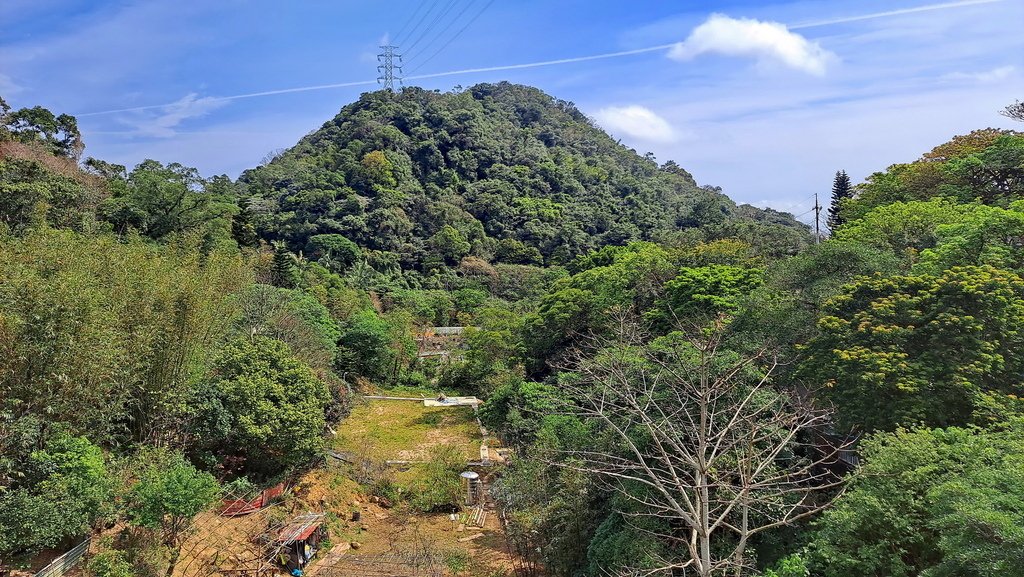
[(442, 342), (835, 453), (298, 542)]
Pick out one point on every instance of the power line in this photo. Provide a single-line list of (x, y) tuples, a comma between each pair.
[(420, 21), (419, 5), (444, 30), (516, 66), (454, 37), (444, 11), (521, 66), (810, 210)]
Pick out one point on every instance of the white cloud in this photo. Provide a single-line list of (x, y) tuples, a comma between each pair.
[(746, 37), (994, 75), (163, 122), (636, 122)]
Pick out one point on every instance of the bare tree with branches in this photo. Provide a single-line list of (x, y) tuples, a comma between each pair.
[(1014, 111), (695, 438)]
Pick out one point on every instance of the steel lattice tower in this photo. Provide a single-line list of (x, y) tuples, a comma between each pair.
[(388, 67)]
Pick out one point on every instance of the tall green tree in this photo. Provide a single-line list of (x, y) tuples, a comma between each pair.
[(51, 489), (374, 346), (705, 292), (936, 349), (984, 166), (168, 494), (932, 503), (32, 195), (448, 245), (841, 191), (262, 406), (162, 200), (242, 229), (59, 134), (334, 251), (903, 228), (981, 235), (106, 336), (284, 268)]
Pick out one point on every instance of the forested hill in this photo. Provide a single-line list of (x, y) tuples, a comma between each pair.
[(420, 179)]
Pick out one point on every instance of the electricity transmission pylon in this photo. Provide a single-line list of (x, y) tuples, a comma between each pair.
[(388, 67)]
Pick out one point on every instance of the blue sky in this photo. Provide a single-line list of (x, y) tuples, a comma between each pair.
[(766, 99)]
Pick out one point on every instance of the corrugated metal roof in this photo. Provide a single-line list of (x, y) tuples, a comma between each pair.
[(300, 529)]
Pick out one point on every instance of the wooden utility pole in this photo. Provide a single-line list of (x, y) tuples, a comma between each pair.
[(817, 220)]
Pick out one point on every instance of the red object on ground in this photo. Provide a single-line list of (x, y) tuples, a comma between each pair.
[(239, 507), (300, 536)]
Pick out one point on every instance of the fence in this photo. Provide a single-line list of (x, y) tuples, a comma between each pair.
[(67, 561), (238, 507)]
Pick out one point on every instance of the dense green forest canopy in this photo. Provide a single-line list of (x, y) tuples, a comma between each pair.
[(167, 337), (501, 172)]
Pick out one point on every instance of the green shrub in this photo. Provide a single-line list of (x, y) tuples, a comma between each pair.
[(439, 486), (109, 563)]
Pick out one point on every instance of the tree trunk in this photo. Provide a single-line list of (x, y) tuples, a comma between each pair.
[(704, 532), (173, 561)]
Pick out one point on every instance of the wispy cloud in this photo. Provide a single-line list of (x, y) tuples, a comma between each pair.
[(8, 86), (637, 122), (985, 76), (785, 47), (163, 123), (749, 38), (890, 13), (220, 100)]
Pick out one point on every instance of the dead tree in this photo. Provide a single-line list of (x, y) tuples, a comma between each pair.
[(1014, 111), (700, 444)]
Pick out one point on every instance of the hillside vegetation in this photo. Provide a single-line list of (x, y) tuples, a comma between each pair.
[(674, 374), (501, 172)]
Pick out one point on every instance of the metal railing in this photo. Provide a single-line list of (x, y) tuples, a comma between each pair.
[(67, 561)]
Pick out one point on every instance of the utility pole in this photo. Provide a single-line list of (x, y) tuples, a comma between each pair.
[(388, 67), (817, 220)]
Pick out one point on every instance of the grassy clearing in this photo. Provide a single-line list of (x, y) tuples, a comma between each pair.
[(426, 392), (406, 430)]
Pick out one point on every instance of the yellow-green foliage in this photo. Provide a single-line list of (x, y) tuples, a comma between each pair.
[(105, 334), (939, 349)]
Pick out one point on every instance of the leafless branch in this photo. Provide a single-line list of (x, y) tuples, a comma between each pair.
[(697, 438)]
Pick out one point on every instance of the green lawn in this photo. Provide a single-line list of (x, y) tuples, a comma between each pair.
[(406, 430)]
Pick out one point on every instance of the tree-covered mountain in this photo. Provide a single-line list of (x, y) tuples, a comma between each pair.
[(501, 171), (674, 383)]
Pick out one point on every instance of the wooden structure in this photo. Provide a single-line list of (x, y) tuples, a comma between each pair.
[(443, 401), (837, 452), (297, 543), (440, 342)]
